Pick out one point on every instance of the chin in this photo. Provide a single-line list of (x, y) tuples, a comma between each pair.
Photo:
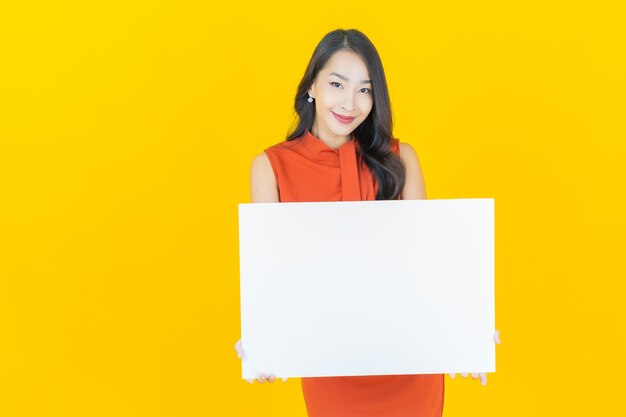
[(345, 132), (345, 129)]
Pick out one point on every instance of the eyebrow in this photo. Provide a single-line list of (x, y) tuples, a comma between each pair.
[(346, 78)]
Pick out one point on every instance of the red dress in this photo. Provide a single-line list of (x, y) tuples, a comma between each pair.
[(306, 169)]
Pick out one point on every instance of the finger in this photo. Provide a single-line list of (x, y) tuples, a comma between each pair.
[(250, 380), (496, 337), (272, 378), (474, 375), (239, 349), (262, 378), (284, 379), (452, 376), (464, 374), (483, 378)]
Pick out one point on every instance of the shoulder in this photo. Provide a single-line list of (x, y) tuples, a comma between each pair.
[(414, 188), (261, 165), (283, 145), (408, 153), (263, 182), (280, 155), (405, 150), (410, 159), (260, 161)]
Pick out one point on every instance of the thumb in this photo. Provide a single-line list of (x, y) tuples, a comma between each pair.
[(483, 378), (238, 349), (496, 337)]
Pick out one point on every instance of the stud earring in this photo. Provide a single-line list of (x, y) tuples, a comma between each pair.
[(310, 99)]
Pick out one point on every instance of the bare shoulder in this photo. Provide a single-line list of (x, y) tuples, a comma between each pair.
[(261, 163), (408, 153), (414, 188), (263, 186)]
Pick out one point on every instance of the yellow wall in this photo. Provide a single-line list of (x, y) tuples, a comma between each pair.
[(126, 133)]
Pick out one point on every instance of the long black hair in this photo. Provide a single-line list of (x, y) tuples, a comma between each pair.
[(374, 135)]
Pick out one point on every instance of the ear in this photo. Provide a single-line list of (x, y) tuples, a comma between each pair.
[(312, 90)]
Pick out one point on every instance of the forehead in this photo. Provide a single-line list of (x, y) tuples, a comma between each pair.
[(346, 63)]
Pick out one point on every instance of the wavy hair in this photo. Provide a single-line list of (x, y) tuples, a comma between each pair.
[(374, 134)]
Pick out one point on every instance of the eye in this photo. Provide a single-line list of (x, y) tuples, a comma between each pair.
[(334, 82), (368, 90)]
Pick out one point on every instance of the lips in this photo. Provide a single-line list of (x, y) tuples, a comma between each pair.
[(343, 119)]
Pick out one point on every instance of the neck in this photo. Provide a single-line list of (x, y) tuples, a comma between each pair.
[(331, 140)]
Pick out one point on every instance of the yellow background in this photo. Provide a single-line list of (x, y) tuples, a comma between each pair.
[(127, 130)]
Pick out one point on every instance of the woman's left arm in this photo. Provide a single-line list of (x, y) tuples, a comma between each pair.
[(414, 189)]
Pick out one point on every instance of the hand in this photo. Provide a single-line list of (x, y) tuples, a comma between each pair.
[(481, 375), (262, 377)]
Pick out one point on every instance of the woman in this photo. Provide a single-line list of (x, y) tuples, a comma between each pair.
[(343, 149)]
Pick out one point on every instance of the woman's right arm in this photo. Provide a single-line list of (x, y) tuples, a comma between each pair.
[(263, 188)]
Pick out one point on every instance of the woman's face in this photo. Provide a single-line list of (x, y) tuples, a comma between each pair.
[(342, 88)]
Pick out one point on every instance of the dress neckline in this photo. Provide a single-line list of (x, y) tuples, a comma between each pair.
[(318, 146)]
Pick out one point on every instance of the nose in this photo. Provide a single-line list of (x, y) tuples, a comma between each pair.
[(348, 101)]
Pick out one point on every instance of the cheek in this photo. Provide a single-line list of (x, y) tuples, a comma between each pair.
[(366, 104), (329, 97), (325, 98)]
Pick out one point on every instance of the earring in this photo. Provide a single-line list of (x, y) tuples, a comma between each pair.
[(310, 99)]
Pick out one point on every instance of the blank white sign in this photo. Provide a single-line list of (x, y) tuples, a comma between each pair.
[(353, 288)]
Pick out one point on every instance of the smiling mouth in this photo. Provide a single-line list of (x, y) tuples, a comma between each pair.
[(343, 119)]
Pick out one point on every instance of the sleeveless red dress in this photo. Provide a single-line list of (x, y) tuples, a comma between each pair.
[(306, 169)]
